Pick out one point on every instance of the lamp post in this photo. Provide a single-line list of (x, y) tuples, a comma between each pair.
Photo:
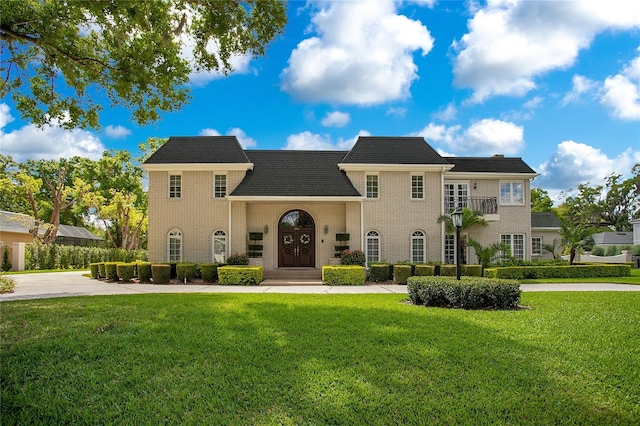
[(456, 219)]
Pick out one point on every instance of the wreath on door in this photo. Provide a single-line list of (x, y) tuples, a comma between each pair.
[(288, 239), (305, 238)]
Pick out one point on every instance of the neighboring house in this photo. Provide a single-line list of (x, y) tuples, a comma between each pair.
[(636, 231), (606, 239), (15, 228), (206, 194), (545, 231)]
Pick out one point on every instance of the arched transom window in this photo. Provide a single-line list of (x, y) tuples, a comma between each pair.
[(418, 251), (174, 246), (373, 246), (219, 247)]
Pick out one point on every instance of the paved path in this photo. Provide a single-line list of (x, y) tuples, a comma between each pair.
[(62, 284)]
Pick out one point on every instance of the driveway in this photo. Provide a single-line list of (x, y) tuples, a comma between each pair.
[(73, 283)]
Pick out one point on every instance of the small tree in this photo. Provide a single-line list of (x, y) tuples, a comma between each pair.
[(574, 237), (469, 219), (553, 248), (6, 263), (487, 254)]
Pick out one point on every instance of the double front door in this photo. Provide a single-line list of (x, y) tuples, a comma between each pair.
[(297, 247)]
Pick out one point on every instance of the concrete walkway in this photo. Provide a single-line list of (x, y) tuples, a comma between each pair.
[(63, 284)]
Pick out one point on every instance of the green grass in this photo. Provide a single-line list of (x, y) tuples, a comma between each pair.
[(269, 359), (633, 279)]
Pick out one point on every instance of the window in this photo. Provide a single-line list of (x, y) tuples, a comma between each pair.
[(511, 193), (219, 186), (450, 248), (219, 247), (536, 245), (417, 187), (175, 186), (174, 246), (372, 186), (516, 244), (418, 247), (456, 195), (373, 246)]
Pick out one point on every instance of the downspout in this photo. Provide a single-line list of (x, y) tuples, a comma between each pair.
[(362, 238), (229, 240), (442, 226)]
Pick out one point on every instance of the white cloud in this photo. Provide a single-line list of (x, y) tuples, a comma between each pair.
[(336, 119), (485, 137), (245, 141), (575, 163), (447, 114), (311, 141), (511, 42), (362, 54), (621, 92), (581, 86), (49, 143), (117, 131), (399, 112)]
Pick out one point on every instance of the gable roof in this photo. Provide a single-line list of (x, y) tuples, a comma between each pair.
[(495, 164), (295, 174), (392, 150), (22, 224), (199, 149), (544, 220)]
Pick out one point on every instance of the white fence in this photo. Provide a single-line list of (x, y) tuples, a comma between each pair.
[(588, 257)]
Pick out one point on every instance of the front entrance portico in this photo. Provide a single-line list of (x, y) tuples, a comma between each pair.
[(296, 240)]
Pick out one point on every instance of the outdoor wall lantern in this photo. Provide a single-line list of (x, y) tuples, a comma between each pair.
[(456, 219), (326, 229), (475, 185), (266, 229)]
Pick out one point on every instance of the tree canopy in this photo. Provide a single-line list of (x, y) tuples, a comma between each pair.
[(61, 59)]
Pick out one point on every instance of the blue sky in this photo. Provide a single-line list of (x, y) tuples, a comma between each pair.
[(554, 82)]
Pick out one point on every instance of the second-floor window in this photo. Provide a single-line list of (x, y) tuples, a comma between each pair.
[(417, 187), (175, 186), (511, 193), (372, 186), (456, 195), (220, 186)]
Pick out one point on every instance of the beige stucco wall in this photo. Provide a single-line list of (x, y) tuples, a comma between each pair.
[(547, 238)]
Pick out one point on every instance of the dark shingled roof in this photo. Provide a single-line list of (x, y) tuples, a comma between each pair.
[(199, 149), (544, 220), (615, 238), (392, 150), (296, 174), (495, 164)]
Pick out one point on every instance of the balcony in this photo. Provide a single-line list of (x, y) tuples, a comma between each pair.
[(483, 205)]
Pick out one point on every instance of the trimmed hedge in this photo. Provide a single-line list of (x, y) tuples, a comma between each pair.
[(467, 293), (144, 271), (102, 273), (185, 270), (447, 270), (472, 270), (210, 271), (401, 273), (343, 275), (379, 272), (425, 270), (240, 275), (126, 271), (160, 273), (95, 273), (574, 271), (111, 270)]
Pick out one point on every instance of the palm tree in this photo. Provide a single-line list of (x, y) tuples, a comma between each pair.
[(469, 219), (552, 248), (486, 254), (574, 237)]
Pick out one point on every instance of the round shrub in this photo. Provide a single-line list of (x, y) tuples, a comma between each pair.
[(160, 273), (598, 251), (355, 257), (126, 271), (144, 271), (238, 259)]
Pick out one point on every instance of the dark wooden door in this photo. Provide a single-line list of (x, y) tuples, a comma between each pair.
[(297, 247)]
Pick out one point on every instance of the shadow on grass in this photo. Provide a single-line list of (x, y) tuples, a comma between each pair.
[(280, 359)]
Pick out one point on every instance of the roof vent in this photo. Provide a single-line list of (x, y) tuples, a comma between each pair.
[(498, 155)]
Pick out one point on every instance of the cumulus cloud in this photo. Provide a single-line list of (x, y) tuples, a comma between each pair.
[(245, 141), (117, 132), (312, 141), (574, 163), (511, 42), (49, 143), (581, 87), (485, 137), (447, 114), (362, 54), (399, 112), (336, 119), (621, 92)]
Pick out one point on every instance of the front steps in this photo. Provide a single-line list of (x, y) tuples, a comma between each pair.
[(297, 275)]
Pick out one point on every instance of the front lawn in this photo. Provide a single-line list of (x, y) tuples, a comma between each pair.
[(271, 359)]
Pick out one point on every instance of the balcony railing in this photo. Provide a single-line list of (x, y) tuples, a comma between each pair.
[(484, 205)]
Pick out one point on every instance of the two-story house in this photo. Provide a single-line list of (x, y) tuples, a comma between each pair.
[(207, 194)]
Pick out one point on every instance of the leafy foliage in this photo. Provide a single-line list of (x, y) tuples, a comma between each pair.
[(61, 58), (353, 257), (7, 284)]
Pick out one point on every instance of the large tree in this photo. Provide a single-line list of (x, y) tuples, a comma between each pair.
[(61, 58), (540, 200)]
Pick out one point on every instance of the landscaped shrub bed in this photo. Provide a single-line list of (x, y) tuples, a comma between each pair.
[(111, 270), (126, 271), (240, 275), (574, 271), (56, 256), (343, 275), (466, 293)]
